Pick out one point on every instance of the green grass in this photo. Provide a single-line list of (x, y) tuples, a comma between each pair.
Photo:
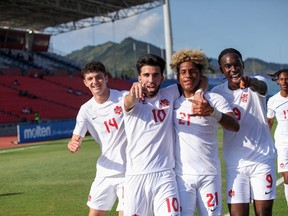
[(46, 179)]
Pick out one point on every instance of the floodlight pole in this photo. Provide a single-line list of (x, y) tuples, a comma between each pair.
[(168, 38)]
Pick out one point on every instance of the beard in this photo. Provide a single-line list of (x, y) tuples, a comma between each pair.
[(153, 93)]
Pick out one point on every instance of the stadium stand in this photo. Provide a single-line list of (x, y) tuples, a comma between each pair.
[(48, 95)]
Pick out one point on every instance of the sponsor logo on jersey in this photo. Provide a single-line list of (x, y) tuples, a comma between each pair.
[(164, 103), (118, 110)]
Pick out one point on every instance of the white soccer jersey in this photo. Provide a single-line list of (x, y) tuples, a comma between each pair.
[(149, 129), (253, 142), (196, 147), (277, 106), (106, 125)]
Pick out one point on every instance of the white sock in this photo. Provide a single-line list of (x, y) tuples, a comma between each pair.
[(286, 192)]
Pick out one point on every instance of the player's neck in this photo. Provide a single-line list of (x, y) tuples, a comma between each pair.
[(284, 93), (102, 97)]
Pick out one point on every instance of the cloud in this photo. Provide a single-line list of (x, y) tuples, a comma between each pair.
[(147, 26)]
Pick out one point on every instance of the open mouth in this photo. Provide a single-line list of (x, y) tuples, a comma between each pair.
[(236, 78)]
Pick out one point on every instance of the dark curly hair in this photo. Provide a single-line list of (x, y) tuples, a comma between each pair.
[(274, 77)]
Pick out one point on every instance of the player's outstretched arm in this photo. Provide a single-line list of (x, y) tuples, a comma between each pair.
[(254, 84), (136, 93)]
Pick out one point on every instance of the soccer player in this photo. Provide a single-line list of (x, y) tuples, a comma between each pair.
[(277, 106), (102, 116), (250, 153), (198, 169), (150, 184)]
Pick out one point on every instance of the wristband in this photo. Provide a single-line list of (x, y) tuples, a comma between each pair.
[(217, 115), (199, 91)]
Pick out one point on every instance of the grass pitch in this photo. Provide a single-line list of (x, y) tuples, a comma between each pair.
[(46, 179)]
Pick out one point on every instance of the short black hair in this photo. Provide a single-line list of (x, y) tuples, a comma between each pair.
[(94, 66), (151, 60), (276, 75), (229, 50)]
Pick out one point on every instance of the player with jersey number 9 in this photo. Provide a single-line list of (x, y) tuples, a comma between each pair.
[(250, 153)]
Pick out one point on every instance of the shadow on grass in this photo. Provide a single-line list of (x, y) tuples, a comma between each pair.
[(11, 194)]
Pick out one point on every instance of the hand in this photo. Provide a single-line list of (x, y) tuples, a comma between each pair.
[(199, 95), (201, 108), (138, 91), (244, 82), (74, 144)]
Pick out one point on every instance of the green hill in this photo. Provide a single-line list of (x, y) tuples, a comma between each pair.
[(120, 58)]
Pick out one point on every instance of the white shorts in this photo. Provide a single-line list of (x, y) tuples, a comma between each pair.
[(152, 193), (104, 192), (201, 191), (282, 160), (255, 182)]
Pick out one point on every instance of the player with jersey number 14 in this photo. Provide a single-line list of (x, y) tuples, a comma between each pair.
[(102, 116)]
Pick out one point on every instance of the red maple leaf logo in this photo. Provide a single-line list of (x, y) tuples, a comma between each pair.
[(164, 102), (231, 193), (118, 110)]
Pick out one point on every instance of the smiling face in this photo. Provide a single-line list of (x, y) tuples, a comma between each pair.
[(189, 77), (152, 78), (231, 65), (283, 82), (96, 82)]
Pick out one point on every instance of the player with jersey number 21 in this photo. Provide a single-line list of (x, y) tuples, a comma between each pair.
[(102, 116), (250, 153), (199, 183)]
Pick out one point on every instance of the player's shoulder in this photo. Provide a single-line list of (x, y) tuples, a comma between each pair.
[(259, 77), (275, 97), (87, 105), (214, 97), (219, 88), (117, 95), (118, 92), (210, 94), (171, 90)]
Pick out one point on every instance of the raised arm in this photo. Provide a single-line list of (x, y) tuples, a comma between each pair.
[(254, 84), (136, 93)]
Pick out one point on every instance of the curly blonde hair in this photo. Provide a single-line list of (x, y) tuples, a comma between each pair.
[(186, 55)]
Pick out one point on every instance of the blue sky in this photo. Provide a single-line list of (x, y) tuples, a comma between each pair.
[(257, 28)]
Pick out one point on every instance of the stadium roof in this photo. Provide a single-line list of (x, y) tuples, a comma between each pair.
[(58, 16)]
